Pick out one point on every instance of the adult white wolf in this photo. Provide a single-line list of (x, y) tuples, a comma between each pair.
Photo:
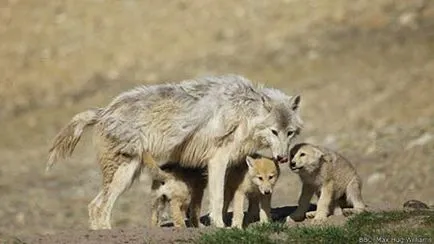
[(208, 121)]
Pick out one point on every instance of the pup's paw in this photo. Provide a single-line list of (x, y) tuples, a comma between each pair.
[(310, 214), (319, 218)]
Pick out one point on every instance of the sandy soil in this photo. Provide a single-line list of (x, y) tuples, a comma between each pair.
[(364, 69)]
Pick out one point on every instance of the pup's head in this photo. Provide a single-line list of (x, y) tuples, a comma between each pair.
[(306, 157), (263, 173), (281, 124)]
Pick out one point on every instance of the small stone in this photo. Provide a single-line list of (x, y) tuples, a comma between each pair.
[(415, 204), (409, 19)]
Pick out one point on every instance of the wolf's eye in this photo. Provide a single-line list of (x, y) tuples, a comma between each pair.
[(270, 177), (260, 178), (290, 133), (274, 132), (302, 154)]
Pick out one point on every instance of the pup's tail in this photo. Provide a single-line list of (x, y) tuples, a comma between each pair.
[(156, 172), (66, 140)]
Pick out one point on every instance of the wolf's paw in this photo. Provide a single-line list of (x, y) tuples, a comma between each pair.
[(295, 218)]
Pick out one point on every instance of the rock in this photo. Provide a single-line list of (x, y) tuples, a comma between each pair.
[(375, 177), (415, 204), (408, 19), (420, 141)]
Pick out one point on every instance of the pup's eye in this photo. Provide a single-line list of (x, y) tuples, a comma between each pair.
[(260, 178), (270, 177), (302, 154), (290, 133), (274, 132)]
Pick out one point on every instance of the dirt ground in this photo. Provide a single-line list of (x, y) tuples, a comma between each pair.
[(364, 70)]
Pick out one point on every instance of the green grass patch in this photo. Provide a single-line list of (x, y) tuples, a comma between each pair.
[(383, 227)]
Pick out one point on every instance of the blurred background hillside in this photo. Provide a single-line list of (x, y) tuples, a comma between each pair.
[(364, 70)]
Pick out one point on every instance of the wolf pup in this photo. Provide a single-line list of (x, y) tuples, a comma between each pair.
[(330, 176), (254, 180), (182, 190)]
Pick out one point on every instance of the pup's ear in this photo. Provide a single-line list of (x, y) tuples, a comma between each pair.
[(295, 102), (326, 157), (250, 161), (266, 102)]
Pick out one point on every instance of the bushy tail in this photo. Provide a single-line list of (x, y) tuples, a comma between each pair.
[(155, 171), (66, 140)]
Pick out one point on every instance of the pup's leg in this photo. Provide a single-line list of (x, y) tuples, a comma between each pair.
[(177, 212), (216, 179), (324, 202), (265, 210), (157, 206), (238, 211), (354, 196), (306, 195)]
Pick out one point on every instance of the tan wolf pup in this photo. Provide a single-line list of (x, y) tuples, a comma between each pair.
[(329, 175), (254, 180), (182, 191)]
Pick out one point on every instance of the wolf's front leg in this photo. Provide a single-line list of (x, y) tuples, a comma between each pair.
[(253, 210), (265, 209), (306, 195), (238, 211), (216, 179), (324, 202)]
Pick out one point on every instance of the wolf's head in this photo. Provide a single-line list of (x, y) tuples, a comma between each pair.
[(280, 124), (307, 157), (263, 173)]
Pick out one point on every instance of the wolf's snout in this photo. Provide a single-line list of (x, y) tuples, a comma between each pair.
[(281, 159), (267, 192), (292, 164)]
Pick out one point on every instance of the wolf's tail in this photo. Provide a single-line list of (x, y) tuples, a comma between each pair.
[(66, 140)]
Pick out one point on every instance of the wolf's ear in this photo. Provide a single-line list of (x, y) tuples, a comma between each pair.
[(266, 102), (250, 161), (295, 102)]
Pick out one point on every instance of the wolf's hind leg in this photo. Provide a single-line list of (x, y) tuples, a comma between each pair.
[(94, 209), (102, 205)]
